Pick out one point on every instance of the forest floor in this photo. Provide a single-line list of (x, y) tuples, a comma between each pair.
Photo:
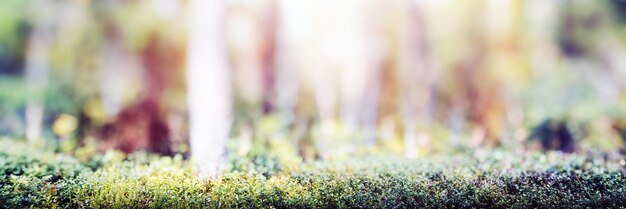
[(36, 177)]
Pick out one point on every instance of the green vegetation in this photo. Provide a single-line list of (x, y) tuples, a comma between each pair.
[(400, 104), (483, 179)]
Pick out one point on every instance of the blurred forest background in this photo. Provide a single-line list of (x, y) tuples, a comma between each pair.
[(319, 79)]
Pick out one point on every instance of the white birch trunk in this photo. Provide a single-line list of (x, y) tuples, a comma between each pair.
[(116, 62), (37, 64), (209, 92), (415, 76), (36, 77)]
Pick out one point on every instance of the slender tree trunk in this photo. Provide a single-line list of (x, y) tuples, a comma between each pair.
[(36, 77), (415, 75), (37, 64), (116, 62), (209, 92)]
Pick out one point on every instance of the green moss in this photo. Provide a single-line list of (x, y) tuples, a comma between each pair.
[(481, 180)]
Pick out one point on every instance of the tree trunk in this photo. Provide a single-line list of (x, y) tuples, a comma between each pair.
[(36, 77), (209, 92), (37, 64)]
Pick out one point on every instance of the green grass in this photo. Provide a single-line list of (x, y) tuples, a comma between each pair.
[(481, 179)]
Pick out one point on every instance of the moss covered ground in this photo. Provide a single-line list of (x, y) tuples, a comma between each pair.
[(476, 179)]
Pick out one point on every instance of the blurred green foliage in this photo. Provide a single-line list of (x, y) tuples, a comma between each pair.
[(563, 93), (12, 14), (57, 98), (12, 91)]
